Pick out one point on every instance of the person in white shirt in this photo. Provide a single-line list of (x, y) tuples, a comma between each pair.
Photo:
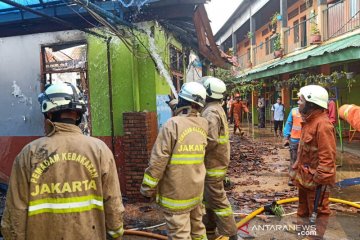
[(278, 111)]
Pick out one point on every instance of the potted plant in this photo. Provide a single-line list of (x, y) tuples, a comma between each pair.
[(250, 35), (273, 22), (278, 51), (315, 33)]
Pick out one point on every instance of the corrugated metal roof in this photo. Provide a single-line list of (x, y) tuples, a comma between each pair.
[(315, 52)]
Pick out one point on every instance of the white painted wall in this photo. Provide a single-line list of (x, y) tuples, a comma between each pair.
[(20, 113)]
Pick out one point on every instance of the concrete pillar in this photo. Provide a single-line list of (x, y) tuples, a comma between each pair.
[(253, 39), (254, 112), (283, 13), (234, 43), (322, 19), (283, 24), (285, 93)]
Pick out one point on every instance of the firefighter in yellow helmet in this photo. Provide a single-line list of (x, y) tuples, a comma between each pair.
[(63, 185), (219, 213), (176, 169)]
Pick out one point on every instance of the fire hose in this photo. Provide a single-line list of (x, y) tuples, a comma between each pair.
[(288, 200), (242, 222)]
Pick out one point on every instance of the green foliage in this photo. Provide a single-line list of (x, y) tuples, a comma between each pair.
[(277, 42), (250, 35), (321, 79), (274, 18), (225, 75), (314, 29)]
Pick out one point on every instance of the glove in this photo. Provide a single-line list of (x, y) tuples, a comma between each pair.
[(286, 143), (172, 103)]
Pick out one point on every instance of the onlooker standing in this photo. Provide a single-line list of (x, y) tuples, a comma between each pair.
[(278, 111), (228, 107), (261, 110), (292, 134), (332, 111)]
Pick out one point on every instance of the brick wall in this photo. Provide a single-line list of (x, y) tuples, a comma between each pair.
[(140, 130)]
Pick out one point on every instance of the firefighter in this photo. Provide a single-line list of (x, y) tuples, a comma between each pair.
[(236, 110), (351, 114), (176, 169), (292, 134), (218, 209), (64, 185), (314, 169)]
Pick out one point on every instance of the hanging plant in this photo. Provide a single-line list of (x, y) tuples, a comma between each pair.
[(350, 82)]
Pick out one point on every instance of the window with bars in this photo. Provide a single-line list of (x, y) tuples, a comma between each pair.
[(177, 67), (271, 42), (176, 59), (354, 8), (267, 47), (296, 31)]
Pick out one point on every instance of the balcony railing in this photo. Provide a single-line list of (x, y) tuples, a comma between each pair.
[(338, 19), (341, 18), (264, 52), (244, 61), (299, 36)]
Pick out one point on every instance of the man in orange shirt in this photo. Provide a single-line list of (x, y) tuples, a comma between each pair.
[(236, 110)]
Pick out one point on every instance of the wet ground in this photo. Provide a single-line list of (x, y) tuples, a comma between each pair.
[(258, 171)]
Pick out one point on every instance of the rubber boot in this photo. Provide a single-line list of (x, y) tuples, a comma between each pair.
[(241, 132)]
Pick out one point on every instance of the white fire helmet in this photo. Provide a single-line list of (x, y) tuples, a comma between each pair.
[(193, 92), (215, 87), (315, 94), (61, 96)]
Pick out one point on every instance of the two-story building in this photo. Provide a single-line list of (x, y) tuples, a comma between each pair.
[(282, 45)]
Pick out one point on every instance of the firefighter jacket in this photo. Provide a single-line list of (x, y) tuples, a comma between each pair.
[(217, 155), (351, 114), (176, 169), (293, 125), (238, 107), (315, 162), (63, 186)]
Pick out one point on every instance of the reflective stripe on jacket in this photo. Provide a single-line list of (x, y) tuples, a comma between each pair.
[(60, 182), (315, 162), (176, 169), (296, 124), (217, 155)]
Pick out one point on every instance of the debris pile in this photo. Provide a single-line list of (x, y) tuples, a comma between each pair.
[(247, 156), (251, 163)]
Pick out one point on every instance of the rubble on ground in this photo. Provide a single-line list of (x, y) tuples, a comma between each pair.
[(250, 160)]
